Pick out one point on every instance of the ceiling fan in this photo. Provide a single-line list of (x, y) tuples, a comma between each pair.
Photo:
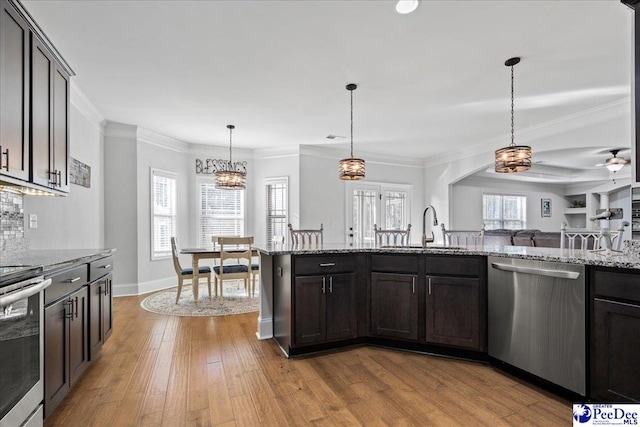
[(615, 163)]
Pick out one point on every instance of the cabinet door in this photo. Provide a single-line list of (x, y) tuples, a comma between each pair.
[(56, 354), (14, 87), (42, 65), (107, 308), (394, 305), (60, 148), (310, 310), (96, 337), (453, 311), (341, 306), (78, 334), (615, 348)]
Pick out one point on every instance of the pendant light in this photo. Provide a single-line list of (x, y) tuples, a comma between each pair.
[(513, 158), (614, 164), (351, 169), (231, 176)]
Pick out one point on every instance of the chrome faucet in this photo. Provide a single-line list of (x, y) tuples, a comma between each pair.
[(426, 239)]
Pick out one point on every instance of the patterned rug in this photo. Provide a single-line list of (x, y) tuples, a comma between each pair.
[(235, 301)]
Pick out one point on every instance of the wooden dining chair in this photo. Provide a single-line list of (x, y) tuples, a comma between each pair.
[(305, 237), (235, 261), (462, 237), (392, 237), (187, 273)]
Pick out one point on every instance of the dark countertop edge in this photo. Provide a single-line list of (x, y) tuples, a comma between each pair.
[(49, 269), (615, 261)]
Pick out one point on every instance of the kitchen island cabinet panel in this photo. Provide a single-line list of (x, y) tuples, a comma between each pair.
[(615, 340), (394, 306), (310, 310), (101, 314), (453, 311)]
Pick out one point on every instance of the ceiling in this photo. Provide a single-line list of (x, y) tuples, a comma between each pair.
[(429, 83)]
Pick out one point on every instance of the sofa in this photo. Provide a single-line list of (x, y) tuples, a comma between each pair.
[(528, 237)]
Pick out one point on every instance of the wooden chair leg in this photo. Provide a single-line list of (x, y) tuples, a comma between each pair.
[(209, 285), (179, 289)]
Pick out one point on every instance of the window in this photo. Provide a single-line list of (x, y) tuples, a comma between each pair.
[(221, 212), (504, 211), (385, 205), (163, 212), (277, 208)]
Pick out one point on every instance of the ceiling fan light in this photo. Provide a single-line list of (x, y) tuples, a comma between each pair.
[(404, 7), (614, 164)]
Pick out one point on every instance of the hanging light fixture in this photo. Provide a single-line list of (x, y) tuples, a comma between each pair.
[(513, 158), (351, 169), (614, 164), (230, 175)]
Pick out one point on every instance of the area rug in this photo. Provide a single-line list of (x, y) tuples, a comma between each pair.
[(235, 301)]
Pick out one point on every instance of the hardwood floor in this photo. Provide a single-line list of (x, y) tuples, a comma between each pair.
[(187, 371)]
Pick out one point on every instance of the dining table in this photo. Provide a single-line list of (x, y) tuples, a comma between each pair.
[(205, 253)]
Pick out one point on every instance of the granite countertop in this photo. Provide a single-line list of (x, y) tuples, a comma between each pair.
[(573, 256), (51, 259)]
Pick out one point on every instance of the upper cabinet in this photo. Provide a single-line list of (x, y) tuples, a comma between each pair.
[(14, 87), (34, 109)]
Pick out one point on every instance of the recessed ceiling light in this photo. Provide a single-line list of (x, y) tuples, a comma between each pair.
[(404, 7)]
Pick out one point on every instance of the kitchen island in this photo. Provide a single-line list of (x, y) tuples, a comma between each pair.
[(434, 300)]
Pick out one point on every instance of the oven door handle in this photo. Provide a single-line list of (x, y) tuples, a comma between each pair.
[(24, 293)]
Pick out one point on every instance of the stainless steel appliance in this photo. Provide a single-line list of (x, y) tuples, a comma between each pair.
[(21, 347), (635, 213), (537, 319)]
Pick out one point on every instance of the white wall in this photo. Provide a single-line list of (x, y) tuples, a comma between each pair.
[(77, 220), (466, 202)]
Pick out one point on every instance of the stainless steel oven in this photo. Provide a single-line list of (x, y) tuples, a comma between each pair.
[(21, 352)]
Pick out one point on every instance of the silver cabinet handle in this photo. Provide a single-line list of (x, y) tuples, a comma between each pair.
[(323, 284), (105, 266), (327, 264), (75, 279), (330, 285), (429, 285), (413, 284), (562, 274)]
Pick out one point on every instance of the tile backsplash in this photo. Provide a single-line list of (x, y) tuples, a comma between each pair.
[(11, 222)]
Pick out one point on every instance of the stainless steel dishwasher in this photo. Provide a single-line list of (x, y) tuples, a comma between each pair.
[(537, 319)]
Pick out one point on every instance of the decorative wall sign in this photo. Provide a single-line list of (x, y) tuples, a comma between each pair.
[(545, 207), (80, 173), (211, 166)]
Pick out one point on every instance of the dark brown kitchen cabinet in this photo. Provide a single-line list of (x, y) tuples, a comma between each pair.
[(14, 87), (101, 314), (453, 311), (615, 341), (65, 346), (49, 118), (324, 308), (394, 305)]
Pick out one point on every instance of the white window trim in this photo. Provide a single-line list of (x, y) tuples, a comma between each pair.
[(211, 180), (167, 174), (267, 182)]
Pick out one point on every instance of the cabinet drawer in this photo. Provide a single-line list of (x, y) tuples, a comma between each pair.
[(100, 268), (394, 263), (455, 265), (306, 265), (65, 282), (625, 286)]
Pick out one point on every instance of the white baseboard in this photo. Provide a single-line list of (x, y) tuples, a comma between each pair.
[(132, 289), (265, 328)]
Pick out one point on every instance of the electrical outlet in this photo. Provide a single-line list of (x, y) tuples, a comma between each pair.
[(33, 221)]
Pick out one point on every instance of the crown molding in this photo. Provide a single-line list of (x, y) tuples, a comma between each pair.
[(369, 157), (152, 138), (276, 152), (592, 116), (87, 108), (120, 130)]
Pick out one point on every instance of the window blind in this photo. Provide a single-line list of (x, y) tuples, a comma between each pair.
[(163, 213), (504, 211), (221, 213), (277, 209)]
